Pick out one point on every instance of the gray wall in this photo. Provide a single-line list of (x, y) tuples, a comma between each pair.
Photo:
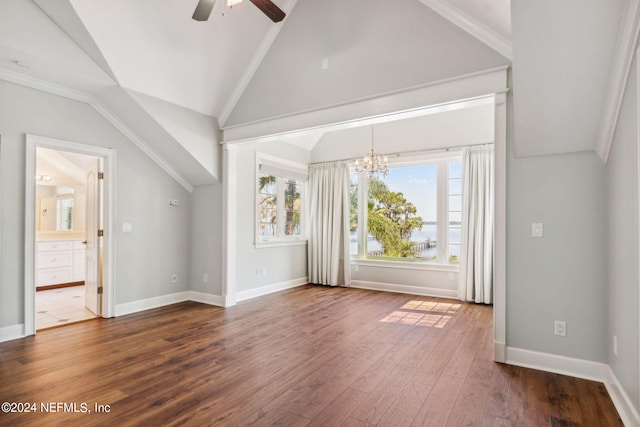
[(206, 239), (371, 49), (560, 276), (160, 242), (281, 264), (622, 246)]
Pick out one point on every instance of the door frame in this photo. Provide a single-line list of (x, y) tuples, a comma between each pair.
[(33, 142)]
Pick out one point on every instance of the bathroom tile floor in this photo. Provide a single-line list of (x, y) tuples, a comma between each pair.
[(56, 307)]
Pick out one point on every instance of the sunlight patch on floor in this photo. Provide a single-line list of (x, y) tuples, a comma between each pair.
[(423, 313)]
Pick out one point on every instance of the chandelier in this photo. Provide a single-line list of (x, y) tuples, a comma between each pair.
[(372, 164)]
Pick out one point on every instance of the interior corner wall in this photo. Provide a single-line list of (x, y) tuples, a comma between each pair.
[(560, 276), (622, 245), (267, 266), (146, 258), (206, 238)]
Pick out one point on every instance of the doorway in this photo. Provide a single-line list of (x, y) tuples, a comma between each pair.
[(68, 247), (63, 201)]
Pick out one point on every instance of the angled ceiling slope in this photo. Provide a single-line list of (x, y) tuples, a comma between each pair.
[(334, 52), (63, 13), (562, 59), (184, 143)]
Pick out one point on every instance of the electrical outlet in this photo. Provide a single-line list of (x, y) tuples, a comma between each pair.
[(174, 278), (205, 278), (537, 229), (560, 328), (615, 345)]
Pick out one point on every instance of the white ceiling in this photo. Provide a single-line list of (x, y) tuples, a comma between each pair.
[(153, 47)]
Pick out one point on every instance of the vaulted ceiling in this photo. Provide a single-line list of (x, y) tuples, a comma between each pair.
[(172, 84)]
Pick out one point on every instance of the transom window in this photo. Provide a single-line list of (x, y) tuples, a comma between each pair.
[(412, 214)]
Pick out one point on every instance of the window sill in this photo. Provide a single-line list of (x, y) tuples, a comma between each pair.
[(405, 265), (279, 243)]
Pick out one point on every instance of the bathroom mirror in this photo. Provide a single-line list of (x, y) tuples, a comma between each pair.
[(58, 208)]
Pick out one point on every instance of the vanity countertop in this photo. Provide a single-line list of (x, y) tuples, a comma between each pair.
[(49, 236)]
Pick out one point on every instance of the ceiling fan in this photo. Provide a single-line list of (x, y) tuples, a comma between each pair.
[(204, 8)]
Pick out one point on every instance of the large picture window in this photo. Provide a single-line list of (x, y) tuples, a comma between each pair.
[(412, 214), (280, 200)]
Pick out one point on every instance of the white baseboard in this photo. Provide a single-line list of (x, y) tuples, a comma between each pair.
[(499, 351), (405, 289), (8, 333), (626, 409), (205, 298), (147, 304), (563, 365), (579, 368), (276, 287), (155, 302)]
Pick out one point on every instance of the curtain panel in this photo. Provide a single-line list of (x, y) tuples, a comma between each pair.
[(328, 248), (476, 254)]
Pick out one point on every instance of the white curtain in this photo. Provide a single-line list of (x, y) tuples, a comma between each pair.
[(476, 253), (328, 250)]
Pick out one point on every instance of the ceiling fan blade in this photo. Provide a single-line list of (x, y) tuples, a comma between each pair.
[(270, 9), (203, 10)]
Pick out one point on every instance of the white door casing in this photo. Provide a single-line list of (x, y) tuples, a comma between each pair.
[(93, 277)]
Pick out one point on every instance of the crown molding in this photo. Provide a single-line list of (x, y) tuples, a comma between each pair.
[(98, 106), (251, 69), (44, 86), (477, 29), (139, 142), (618, 77)]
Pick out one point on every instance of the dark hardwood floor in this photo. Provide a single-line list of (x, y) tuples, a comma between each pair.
[(309, 356)]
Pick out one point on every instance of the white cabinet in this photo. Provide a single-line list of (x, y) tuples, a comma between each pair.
[(59, 262), (78, 261)]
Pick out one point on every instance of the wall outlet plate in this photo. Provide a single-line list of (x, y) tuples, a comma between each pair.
[(560, 328)]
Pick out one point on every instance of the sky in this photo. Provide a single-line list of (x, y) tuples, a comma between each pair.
[(419, 186)]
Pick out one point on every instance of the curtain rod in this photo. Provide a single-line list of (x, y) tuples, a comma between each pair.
[(408, 153)]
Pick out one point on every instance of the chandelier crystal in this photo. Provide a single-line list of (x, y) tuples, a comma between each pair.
[(372, 164)]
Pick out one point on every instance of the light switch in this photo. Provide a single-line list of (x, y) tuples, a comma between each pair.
[(127, 227), (537, 230)]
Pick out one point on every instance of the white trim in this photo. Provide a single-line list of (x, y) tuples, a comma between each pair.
[(269, 289), (44, 86), (204, 298), (164, 300), (563, 365), (621, 401), (618, 77), (279, 243), (13, 332), (499, 351), (477, 29), (405, 289), (251, 69), (500, 228), (579, 368), (229, 223), (149, 303), (100, 108), (637, 242), (113, 118), (109, 242), (405, 265), (356, 112)]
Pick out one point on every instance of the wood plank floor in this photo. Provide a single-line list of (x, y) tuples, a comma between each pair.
[(311, 356)]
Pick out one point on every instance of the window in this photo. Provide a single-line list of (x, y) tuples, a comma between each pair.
[(412, 214), (280, 200)]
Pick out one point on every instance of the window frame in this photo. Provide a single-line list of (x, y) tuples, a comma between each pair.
[(283, 170), (442, 263)]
